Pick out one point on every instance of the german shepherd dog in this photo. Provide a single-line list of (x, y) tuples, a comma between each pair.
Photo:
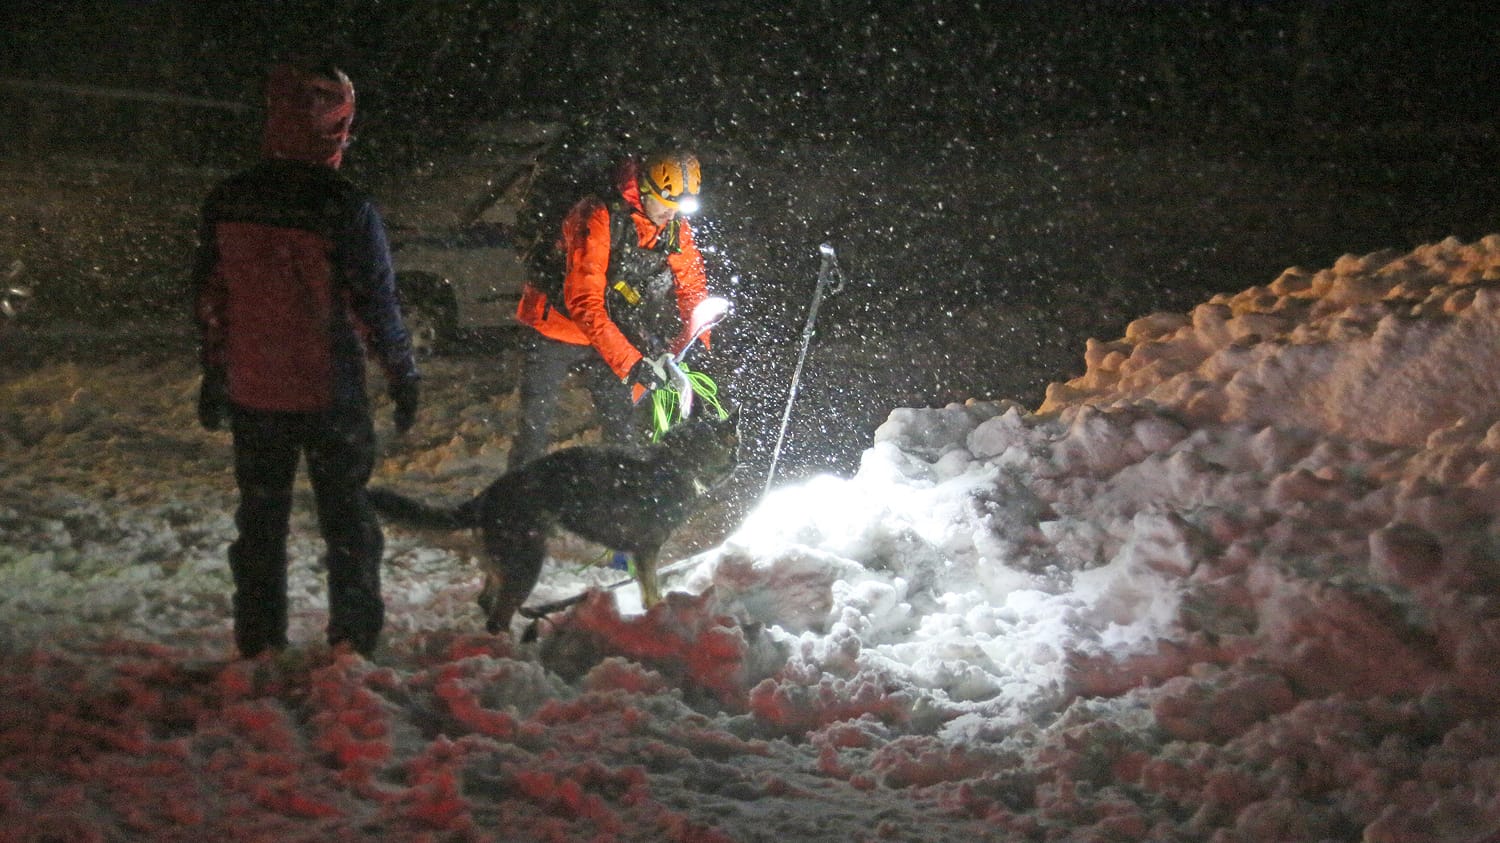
[(626, 499)]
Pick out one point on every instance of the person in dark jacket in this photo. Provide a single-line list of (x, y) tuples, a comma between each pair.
[(633, 276), (293, 279)]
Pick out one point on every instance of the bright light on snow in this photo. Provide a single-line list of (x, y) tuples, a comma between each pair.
[(925, 555)]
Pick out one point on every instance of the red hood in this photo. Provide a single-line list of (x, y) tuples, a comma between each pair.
[(307, 116)]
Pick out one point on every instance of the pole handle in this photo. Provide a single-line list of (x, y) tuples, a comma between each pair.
[(830, 276)]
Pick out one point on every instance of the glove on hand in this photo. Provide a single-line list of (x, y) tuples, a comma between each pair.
[(647, 375), (405, 394), (213, 398)]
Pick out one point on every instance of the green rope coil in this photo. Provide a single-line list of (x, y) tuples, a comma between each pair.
[(666, 403)]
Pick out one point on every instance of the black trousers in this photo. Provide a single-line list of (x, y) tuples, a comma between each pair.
[(545, 364), (340, 450)]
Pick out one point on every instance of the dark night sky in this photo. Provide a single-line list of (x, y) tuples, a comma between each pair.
[(802, 64)]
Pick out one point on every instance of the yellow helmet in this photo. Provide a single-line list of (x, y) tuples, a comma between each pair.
[(673, 178)]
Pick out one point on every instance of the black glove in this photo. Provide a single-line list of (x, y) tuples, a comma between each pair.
[(213, 398), (405, 395), (646, 375)]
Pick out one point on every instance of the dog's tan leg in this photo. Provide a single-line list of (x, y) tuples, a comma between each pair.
[(645, 574), (513, 561), (489, 596)]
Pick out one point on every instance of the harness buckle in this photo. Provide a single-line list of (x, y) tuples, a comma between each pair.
[(632, 295)]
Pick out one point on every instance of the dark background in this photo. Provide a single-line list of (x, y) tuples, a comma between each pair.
[(1002, 179), (806, 66)]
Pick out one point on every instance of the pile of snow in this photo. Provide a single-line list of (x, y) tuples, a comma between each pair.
[(1388, 347), (1237, 582)]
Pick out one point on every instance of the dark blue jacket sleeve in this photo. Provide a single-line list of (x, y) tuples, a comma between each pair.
[(364, 256), (208, 304)]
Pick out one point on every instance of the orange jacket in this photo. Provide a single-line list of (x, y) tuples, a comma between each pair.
[(586, 237)]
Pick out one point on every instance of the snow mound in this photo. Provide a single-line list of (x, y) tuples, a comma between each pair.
[(1387, 346)]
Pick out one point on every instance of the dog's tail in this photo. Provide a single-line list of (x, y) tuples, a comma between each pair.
[(415, 513)]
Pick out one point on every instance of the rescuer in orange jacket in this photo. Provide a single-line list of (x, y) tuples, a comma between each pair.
[(633, 276)]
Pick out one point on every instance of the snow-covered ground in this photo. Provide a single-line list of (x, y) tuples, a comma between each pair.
[(1237, 582)]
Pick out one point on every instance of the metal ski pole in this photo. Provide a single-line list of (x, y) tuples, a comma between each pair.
[(831, 281)]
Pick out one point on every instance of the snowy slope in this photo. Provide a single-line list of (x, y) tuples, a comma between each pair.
[(1237, 582)]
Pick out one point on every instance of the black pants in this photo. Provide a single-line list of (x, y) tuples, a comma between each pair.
[(545, 364), (340, 450)]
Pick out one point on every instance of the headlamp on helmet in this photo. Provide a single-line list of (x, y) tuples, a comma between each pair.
[(673, 178)]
